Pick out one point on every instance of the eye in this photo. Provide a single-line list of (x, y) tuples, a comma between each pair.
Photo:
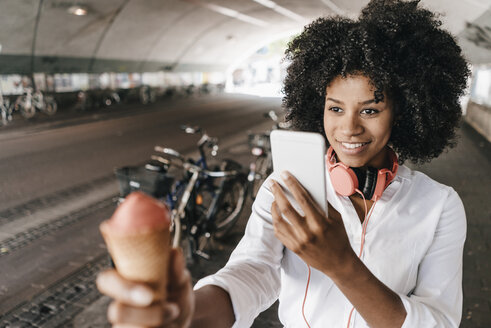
[(370, 111), (335, 109)]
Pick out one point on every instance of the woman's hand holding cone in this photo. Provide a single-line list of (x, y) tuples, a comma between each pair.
[(138, 305)]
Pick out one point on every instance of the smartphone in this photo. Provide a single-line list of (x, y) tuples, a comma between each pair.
[(303, 155)]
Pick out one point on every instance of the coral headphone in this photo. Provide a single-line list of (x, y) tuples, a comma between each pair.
[(372, 182)]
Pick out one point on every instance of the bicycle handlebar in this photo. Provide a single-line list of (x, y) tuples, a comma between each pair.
[(195, 168), (205, 139), (213, 174), (170, 152), (190, 129)]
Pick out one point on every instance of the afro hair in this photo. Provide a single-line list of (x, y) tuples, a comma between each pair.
[(405, 53)]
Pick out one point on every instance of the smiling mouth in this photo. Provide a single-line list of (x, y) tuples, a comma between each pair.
[(353, 145)]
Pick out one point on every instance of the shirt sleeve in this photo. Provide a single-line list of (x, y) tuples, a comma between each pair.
[(252, 274), (436, 301)]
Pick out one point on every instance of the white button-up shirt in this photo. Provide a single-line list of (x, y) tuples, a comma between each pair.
[(413, 244)]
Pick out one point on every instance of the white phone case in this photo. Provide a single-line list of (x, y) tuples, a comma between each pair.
[(303, 155)]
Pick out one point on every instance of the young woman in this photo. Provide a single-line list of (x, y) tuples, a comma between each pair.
[(386, 255)]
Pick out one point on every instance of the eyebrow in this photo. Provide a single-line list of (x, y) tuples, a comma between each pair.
[(366, 102)]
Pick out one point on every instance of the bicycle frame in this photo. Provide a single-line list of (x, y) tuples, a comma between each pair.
[(185, 191), (188, 197)]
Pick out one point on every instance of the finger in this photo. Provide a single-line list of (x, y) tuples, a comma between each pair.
[(176, 264), (286, 208), (150, 316), (309, 206), (179, 275), (282, 229), (295, 233), (112, 284)]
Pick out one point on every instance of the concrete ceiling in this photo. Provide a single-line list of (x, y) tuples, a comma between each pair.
[(184, 35)]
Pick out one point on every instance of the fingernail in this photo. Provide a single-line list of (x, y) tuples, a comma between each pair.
[(112, 312), (172, 311), (101, 279), (271, 184), (141, 296), (285, 175)]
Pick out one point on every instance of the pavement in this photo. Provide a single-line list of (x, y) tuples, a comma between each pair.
[(74, 301)]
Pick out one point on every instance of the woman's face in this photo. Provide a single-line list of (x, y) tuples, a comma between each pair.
[(357, 128)]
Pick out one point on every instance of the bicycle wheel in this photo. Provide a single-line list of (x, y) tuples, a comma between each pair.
[(263, 169), (194, 239), (231, 201), (50, 106), (186, 242), (4, 114), (26, 111)]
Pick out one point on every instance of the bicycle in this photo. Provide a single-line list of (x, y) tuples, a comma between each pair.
[(209, 200), (260, 146), (205, 202), (30, 101), (147, 95), (110, 97), (84, 101), (5, 109)]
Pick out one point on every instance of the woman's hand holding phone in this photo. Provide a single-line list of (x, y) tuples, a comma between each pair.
[(319, 239)]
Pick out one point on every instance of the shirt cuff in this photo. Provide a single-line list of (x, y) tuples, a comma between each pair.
[(417, 314), (242, 318)]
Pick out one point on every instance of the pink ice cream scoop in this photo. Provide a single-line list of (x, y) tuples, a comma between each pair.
[(139, 213), (138, 239)]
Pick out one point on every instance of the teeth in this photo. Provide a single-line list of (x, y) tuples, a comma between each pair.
[(352, 145)]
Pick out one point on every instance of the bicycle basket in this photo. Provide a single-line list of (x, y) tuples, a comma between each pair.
[(133, 178)]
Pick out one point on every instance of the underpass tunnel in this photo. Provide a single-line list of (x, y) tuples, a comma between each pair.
[(109, 80), (64, 46)]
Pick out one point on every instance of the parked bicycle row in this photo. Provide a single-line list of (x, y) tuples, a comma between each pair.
[(32, 101), (27, 104), (206, 195)]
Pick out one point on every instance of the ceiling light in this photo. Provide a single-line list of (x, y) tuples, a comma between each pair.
[(230, 13), (77, 10), (235, 14), (335, 9), (281, 10)]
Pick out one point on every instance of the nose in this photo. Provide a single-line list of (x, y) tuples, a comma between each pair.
[(350, 125)]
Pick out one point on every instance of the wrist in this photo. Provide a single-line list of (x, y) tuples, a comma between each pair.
[(348, 270), (212, 302)]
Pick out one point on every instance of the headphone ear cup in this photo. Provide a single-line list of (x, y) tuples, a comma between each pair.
[(343, 180)]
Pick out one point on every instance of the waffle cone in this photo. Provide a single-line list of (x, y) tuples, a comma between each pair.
[(141, 257)]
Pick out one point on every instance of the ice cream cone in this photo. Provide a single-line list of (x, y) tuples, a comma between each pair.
[(141, 254)]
